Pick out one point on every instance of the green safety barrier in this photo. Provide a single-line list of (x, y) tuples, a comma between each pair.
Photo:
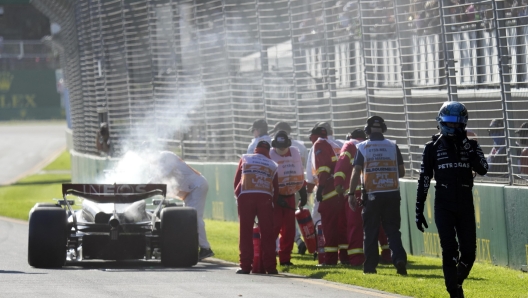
[(490, 221), (516, 210), (405, 224), (89, 169), (221, 203), (500, 212)]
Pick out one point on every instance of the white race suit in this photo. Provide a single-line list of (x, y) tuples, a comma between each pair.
[(187, 184)]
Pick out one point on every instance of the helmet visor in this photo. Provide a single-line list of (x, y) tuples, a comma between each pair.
[(454, 119)]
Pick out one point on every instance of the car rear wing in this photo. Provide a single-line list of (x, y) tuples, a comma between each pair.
[(114, 193)]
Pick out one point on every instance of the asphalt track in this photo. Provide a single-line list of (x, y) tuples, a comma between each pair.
[(26, 147), (212, 278)]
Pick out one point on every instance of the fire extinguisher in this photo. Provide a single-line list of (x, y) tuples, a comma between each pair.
[(320, 244), (258, 265), (304, 219)]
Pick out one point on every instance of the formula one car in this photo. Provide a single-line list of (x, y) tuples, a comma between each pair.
[(116, 222)]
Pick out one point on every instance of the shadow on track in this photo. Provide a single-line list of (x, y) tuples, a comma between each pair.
[(16, 272), (60, 181), (138, 265)]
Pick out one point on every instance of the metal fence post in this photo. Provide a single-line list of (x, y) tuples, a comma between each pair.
[(481, 59), (177, 54), (125, 55), (405, 53), (152, 76), (294, 70), (225, 49), (521, 54), (504, 75), (264, 64), (367, 56), (447, 42), (202, 84), (329, 52), (353, 62)]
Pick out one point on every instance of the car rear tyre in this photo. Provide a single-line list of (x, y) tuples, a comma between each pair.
[(47, 237), (179, 237)]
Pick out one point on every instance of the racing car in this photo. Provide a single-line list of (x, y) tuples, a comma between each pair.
[(116, 222)]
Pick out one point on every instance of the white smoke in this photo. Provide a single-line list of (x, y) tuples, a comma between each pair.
[(132, 168), (168, 115)]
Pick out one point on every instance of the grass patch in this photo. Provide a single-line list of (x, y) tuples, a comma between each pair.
[(425, 277), (63, 162), (223, 236), (17, 199)]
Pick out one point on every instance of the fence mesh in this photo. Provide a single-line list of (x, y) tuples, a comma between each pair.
[(195, 74)]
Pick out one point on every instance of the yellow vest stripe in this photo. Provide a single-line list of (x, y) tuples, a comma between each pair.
[(340, 174), (354, 251), (347, 154), (323, 169), (329, 195)]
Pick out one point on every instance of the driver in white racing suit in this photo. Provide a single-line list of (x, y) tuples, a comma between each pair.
[(189, 185)]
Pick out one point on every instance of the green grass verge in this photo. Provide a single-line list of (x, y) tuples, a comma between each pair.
[(425, 274), (61, 163), (17, 199), (223, 237), (425, 277)]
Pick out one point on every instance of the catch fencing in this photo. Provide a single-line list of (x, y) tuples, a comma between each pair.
[(195, 74)]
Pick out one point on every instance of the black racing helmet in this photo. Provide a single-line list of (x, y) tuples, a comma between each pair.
[(452, 112)]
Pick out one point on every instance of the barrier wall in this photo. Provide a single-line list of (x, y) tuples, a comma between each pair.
[(516, 210), (221, 203), (405, 222), (500, 212), (489, 215), (87, 168)]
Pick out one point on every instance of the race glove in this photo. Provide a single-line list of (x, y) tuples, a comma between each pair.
[(421, 222), (319, 193), (304, 196), (462, 139), (420, 219)]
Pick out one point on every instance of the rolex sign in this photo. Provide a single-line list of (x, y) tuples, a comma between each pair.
[(29, 95)]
